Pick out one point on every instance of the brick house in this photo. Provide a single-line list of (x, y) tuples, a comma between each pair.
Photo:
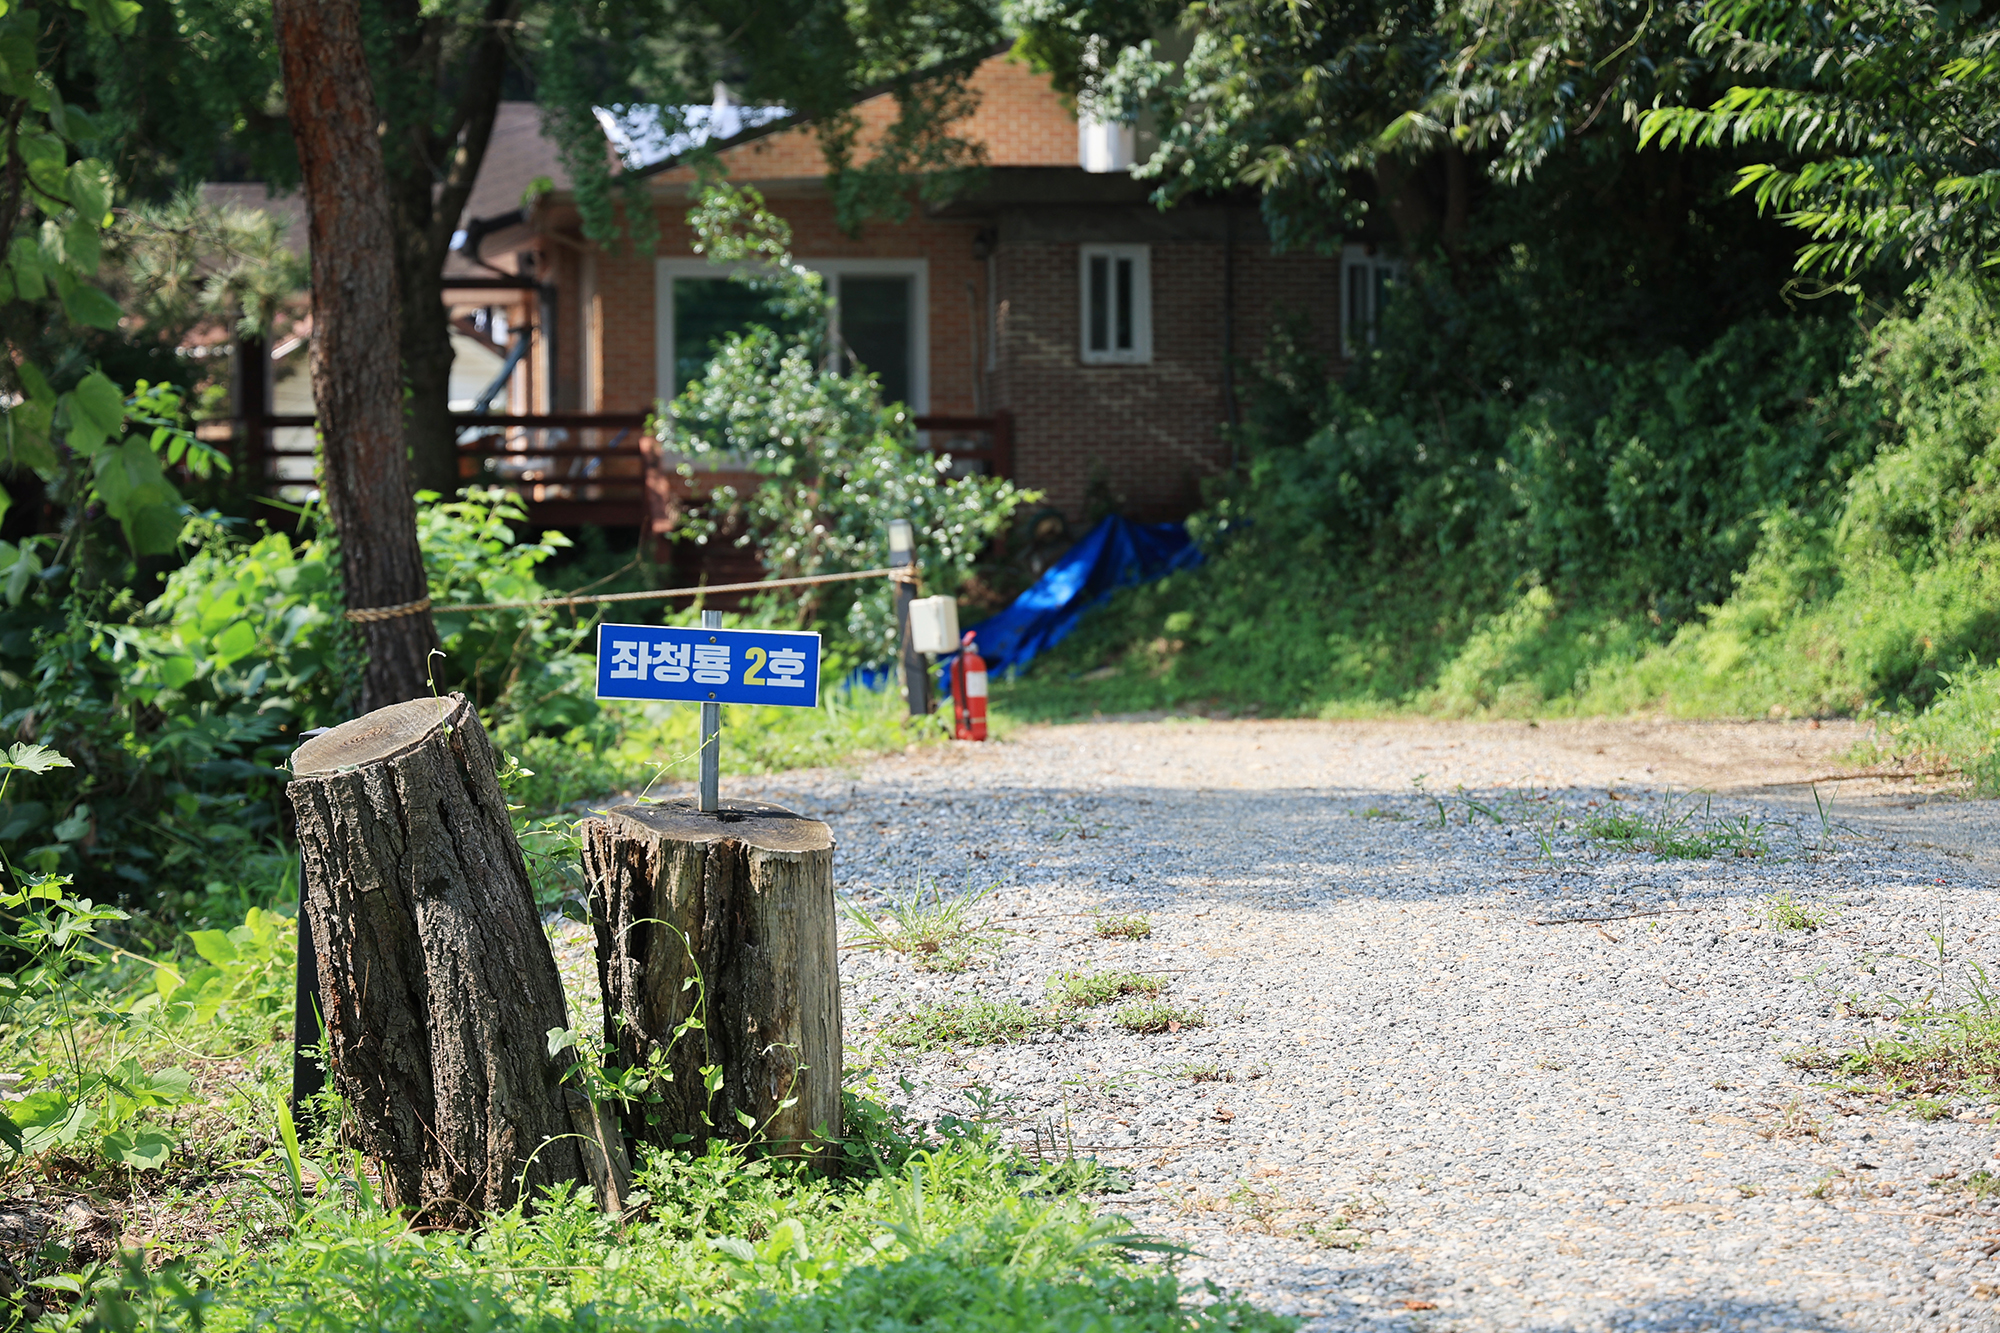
[(1053, 304)]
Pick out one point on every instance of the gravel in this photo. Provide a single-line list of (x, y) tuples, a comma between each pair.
[(1422, 1106)]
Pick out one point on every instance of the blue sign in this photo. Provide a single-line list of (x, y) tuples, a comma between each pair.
[(722, 666)]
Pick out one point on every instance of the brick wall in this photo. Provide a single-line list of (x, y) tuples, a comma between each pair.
[(1141, 438), (627, 292)]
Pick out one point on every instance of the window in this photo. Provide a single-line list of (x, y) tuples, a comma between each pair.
[(705, 312), (1366, 279), (879, 321), (873, 320), (1117, 305)]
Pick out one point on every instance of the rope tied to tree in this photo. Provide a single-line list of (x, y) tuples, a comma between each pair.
[(369, 615), (900, 574)]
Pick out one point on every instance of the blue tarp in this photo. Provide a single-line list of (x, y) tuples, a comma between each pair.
[(1117, 553)]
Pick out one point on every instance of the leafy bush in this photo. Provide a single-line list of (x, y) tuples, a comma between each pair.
[(962, 1233), (1799, 517), (837, 462)]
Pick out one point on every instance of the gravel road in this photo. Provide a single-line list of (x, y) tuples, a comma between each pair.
[(1411, 1090)]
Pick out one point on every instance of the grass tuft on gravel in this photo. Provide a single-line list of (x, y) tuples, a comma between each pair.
[(1088, 990), (1783, 911), (1681, 831), (935, 930), (1149, 1018), (1935, 1057), (970, 1023), (1133, 927)]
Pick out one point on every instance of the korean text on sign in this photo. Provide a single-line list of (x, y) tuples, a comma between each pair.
[(729, 666)]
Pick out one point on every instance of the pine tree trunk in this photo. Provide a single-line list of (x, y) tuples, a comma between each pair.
[(437, 981), (746, 898), (357, 380), (451, 65)]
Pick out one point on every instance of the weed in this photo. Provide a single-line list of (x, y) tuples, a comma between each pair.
[(972, 1023), (1824, 809), (1821, 1188), (935, 930), (1981, 1185), (1156, 1016), (1805, 1057), (1679, 830), (1748, 1189), (1784, 912), (1377, 812), (1794, 1122), (1925, 1108), (1087, 990), (1132, 927), (1207, 1073), (1944, 1052), (1625, 830)]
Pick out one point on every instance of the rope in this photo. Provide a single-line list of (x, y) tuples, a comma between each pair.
[(902, 574), (370, 614)]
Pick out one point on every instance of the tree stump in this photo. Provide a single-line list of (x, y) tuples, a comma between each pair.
[(726, 919), (437, 981)]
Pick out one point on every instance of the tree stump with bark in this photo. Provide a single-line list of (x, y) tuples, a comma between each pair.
[(716, 953), (437, 981)]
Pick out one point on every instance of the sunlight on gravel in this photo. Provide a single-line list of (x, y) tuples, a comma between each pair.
[(1415, 1091)]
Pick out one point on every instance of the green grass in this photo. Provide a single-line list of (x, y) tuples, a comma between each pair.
[(936, 930), (915, 1225), (960, 1235), (1783, 911), (1122, 927), (1149, 1018), (966, 1023), (1088, 990), (634, 748), (1942, 1052)]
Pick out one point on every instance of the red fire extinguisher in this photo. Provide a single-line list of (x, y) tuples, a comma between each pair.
[(968, 692)]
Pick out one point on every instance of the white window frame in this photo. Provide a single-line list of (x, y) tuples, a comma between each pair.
[(1362, 306), (1140, 353), (918, 270)]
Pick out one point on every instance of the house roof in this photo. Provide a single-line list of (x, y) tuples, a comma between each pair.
[(1019, 119), (517, 156)]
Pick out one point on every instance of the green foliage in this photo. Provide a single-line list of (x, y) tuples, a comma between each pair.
[(66, 1040), (1087, 990), (1797, 519), (968, 1023), (837, 463), (244, 976), (1884, 113), (960, 1232), (1151, 1017), (1133, 927)]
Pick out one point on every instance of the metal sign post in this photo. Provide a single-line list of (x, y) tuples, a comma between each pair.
[(710, 666), (902, 562), (711, 738)]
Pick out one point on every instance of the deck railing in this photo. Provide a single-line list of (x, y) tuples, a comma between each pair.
[(588, 468)]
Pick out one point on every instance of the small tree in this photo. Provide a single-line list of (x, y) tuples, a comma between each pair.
[(838, 463)]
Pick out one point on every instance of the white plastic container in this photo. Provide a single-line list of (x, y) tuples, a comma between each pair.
[(934, 624)]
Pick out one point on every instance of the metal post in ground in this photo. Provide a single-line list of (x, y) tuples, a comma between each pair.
[(711, 738), (916, 672)]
